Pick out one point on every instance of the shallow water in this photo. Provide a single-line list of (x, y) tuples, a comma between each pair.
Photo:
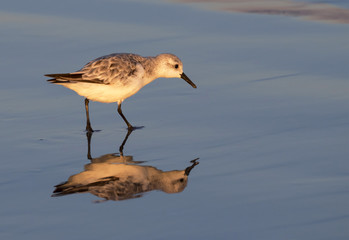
[(268, 122)]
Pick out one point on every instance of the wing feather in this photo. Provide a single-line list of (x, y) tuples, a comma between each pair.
[(108, 69)]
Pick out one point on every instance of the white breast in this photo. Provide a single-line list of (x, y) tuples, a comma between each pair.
[(116, 91)]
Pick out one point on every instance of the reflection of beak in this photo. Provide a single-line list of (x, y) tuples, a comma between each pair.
[(183, 76), (188, 169)]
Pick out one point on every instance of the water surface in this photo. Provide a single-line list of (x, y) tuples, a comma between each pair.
[(269, 122)]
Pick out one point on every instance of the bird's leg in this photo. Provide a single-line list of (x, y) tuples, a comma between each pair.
[(88, 124), (121, 148), (89, 136), (130, 127)]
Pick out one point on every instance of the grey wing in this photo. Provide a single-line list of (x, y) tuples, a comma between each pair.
[(109, 69), (113, 68)]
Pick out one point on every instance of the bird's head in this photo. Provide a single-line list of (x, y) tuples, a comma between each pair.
[(170, 66)]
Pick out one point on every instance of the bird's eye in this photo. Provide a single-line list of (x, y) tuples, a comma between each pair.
[(176, 66)]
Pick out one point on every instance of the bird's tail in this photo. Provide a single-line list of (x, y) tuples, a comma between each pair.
[(66, 188), (64, 77)]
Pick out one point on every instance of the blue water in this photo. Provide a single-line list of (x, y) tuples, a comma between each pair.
[(268, 122)]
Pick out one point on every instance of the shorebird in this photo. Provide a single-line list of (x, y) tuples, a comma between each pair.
[(120, 181), (117, 76)]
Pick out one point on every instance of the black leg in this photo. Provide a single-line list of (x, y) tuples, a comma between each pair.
[(130, 127), (121, 148), (88, 124), (89, 136)]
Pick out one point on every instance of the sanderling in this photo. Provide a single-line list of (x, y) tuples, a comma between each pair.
[(120, 181), (115, 77)]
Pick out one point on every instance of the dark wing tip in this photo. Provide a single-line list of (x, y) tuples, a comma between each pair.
[(53, 80), (64, 77), (71, 78)]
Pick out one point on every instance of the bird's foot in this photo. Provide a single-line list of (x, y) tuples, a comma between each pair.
[(90, 130), (132, 128)]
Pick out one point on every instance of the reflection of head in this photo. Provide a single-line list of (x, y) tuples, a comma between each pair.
[(173, 181)]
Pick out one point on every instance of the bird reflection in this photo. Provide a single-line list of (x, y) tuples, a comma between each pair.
[(117, 177)]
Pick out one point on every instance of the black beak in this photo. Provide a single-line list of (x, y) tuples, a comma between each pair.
[(183, 76), (188, 169)]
